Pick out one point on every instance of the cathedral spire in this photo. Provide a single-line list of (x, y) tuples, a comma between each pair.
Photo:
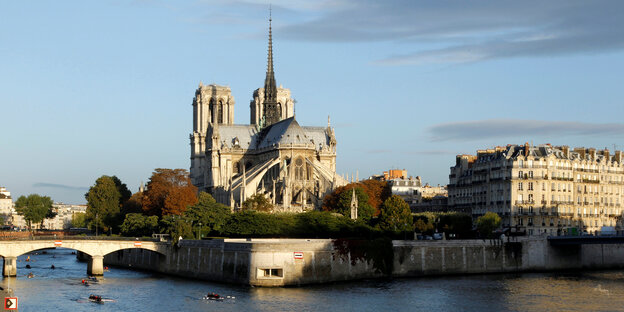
[(270, 87), (270, 109)]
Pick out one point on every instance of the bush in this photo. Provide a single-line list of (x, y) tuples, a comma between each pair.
[(487, 223), (136, 224)]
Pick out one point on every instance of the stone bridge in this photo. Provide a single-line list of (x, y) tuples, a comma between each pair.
[(96, 249)]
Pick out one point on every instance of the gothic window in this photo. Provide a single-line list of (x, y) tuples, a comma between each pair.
[(299, 169), (279, 110), (212, 107), (220, 112)]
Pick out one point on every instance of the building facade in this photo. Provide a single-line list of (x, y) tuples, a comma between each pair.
[(542, 189), (294, 166)]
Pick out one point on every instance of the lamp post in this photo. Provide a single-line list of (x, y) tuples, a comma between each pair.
[(96, 224), (200, 229)]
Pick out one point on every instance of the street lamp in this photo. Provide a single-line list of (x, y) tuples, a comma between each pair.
[(200, 229)]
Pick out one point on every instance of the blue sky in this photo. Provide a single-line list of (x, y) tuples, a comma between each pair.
[(89, 88)]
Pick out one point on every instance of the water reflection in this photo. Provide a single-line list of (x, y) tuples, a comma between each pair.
[(61, 289)]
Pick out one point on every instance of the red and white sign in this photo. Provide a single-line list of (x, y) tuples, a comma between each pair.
[(58, 243), (298, 254), (10, 303), (137, 244)]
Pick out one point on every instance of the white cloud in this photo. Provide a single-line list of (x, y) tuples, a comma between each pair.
[(510, 128)]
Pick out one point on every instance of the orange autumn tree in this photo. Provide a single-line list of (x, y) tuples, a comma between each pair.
[(168, 192), (377, 191)]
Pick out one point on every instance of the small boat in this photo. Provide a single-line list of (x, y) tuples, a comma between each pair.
[(213, 296), (28, 266), (31, 275), (99, 299), (95, 298)]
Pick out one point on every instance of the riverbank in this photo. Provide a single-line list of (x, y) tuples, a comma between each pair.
[(292, 262)]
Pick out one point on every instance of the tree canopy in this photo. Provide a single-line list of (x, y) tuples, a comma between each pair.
[(103, 204), (34, 208), (169, 191), (258, 202), (486, 224), (340, 201), (370, 193), (209, 213), (395, 215), (136, 224)]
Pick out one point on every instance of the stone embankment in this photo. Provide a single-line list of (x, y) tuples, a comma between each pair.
[(284, 262)]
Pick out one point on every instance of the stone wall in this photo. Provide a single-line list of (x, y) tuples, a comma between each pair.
[(284, 262)]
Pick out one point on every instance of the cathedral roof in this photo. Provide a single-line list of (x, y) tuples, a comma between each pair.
[(284, 132)]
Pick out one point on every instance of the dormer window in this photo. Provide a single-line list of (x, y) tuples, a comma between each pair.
[(235, 142)]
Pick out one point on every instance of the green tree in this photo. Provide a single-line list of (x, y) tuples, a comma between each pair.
[(423, 227), (209, 213), (124, 192), (137, 224), (176, 226), (79, 220), (487, 223), (258, 202), (34, 208), (103, 205), (395, 215), (341, 203)]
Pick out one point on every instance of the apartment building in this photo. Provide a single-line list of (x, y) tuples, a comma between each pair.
[(545, 190)]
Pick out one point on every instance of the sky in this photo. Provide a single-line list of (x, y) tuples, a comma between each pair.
[(92, 88)]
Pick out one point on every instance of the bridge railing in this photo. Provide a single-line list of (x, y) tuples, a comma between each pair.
[(86, 238)]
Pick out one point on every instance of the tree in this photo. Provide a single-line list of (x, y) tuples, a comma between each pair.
[(340, 201), (258, 202), (124, 192), (176, 226), (103, 204), (422, 226), (79, 220), (487, 223), (169, 191), (136, 224), (209, 213), (377, 191), (34, 208), (134, 204), (395, 215)]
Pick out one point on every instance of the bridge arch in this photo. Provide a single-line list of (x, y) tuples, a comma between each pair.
[(96, 249)]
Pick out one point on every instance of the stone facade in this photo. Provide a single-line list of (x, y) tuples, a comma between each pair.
[(543, 189), (293, 166)]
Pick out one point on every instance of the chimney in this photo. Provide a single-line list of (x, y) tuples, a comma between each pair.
[(605, 153), (618, 156), (566, 151), (592, 153), (580, 151), (526, 149)]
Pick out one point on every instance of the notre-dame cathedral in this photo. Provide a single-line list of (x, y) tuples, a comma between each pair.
[(293, 166)]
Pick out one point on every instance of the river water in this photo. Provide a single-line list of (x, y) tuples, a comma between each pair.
[(61, 290)]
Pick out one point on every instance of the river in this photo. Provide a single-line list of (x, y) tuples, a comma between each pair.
[(61, 290)]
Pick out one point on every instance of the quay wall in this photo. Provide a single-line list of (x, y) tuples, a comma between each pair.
[(285, 262)]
